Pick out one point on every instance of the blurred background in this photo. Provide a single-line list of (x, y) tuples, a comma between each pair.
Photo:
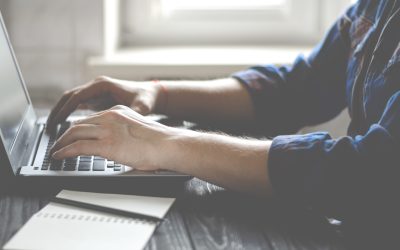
[(63, 43)]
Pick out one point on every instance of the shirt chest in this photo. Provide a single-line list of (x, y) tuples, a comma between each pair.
[(374, 65)]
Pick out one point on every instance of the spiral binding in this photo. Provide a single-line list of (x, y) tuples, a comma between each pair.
[(92, 218)]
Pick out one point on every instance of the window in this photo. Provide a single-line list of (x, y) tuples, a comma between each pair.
[(223, 22), (203, 39), (173, 5)]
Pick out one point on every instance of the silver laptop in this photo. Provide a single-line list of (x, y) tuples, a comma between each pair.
[(24, 147)]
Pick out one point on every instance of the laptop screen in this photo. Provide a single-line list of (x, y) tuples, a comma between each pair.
[(13, 101)]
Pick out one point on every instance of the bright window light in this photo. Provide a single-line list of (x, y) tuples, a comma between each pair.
[(171, 5), (225, 22)]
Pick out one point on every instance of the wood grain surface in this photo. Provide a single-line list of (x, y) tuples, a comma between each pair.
[(204, 217)]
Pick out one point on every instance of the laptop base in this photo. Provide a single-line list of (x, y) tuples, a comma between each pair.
[(148, 186)]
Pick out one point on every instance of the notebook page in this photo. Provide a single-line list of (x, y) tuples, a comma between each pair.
[(146, 205), (64, 227)]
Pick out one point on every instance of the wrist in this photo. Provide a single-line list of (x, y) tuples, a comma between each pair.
[(178, 150)]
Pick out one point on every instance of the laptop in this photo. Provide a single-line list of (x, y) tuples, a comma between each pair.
[(25, 146)]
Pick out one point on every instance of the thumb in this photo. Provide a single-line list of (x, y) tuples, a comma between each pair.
[(141, 107), (137, 109)]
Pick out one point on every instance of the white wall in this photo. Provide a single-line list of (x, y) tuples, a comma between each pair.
[(336, 127), (52, 40)]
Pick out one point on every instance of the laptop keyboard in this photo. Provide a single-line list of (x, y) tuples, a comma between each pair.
[(80, 163)]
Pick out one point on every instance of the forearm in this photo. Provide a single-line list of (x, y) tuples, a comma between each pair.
[(224, 100), (235, 163)]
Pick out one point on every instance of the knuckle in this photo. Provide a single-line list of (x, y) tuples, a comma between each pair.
[(102, 78), (67, 92), (100, 83), (118, 107), (113, 114), (76, 97), (75, 128), (75, 94)]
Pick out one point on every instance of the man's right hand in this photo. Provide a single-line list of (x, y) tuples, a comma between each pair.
[(105, 92)]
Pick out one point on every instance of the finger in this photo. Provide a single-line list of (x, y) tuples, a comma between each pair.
[(79, 97), (142, 105), (81, 147), (54, 111), (94, 119), (141, 109), (123, 112), (62, 101), (119, 107), (75, 133), (116, 113)]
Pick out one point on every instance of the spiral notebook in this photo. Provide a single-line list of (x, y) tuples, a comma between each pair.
[(59, 226)]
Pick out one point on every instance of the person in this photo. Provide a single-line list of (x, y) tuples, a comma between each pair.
[(354, 178)]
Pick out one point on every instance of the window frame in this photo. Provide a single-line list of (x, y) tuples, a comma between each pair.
[(188, 27), (117, 38)]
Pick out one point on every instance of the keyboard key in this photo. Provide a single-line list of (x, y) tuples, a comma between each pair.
[(85, 158), (70, 164), (45, 165), (110, 164), (71, 160), (48, 161), (69, 168), (99, 165), (56, 165), (84, 166)]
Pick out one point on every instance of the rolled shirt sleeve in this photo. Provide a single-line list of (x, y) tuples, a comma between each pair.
[(310, 91), (339, 177), (353, 179), (303, 168)]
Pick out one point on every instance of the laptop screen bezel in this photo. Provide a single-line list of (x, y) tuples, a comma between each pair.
[(17, 152)]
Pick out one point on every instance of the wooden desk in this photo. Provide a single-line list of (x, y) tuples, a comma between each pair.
[(205, 217)]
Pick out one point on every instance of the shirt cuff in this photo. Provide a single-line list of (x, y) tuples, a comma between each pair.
[(263, 87), (294, 165)]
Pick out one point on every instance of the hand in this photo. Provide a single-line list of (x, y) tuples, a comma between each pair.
[(119, 134), (123, 135), (103, 93)]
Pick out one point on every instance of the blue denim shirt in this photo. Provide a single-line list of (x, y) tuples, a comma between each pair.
[(356, 177)]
